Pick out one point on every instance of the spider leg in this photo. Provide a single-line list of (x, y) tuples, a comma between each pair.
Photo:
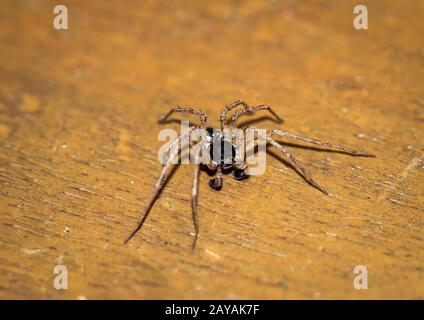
[(216, 182), (185, 134), (239, 143), (194, 197), (241, 172), (158, 187), (203, 117), (320, 143), (224, 111), (240, 112), (299, 168), (240, 166)]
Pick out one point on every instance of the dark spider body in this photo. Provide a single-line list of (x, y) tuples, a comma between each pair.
[(221, 151), (223, 155)]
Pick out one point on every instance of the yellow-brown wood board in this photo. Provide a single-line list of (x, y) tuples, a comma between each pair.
[(79, 143)]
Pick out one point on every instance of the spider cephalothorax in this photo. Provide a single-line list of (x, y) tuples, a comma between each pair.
[(221, 151), (223, 155)]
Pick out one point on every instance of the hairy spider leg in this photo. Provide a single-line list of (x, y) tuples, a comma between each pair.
[(296, 164), (320, 143), (158, 187), (240, 166), (299, 168), (203, 117), (245, 110), (186, 134), (225, 110), (194, 198)]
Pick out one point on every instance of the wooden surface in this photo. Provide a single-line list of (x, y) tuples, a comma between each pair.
[(78, 151)]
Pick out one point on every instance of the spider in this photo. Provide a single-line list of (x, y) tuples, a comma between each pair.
[(225, 162)]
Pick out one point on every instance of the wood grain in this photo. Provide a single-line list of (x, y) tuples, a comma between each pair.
[(78, 149)]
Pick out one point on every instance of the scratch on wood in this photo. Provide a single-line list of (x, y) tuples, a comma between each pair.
[(414, 163)]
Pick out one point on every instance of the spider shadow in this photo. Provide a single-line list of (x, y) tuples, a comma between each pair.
[(171, 121)]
